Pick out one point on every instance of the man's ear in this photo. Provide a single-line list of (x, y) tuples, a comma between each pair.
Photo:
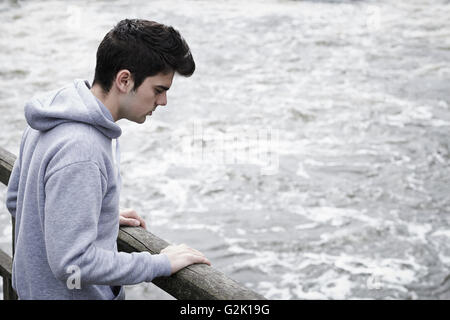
[(124, 81)]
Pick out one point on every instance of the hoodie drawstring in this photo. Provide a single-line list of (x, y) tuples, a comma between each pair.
[(117, 165)]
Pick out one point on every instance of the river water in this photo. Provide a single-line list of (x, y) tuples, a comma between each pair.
[(307, 157)]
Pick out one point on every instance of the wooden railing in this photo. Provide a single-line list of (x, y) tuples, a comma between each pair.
[(7, 160), (198, 281)]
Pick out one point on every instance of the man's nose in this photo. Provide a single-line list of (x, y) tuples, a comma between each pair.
[(162, 101)]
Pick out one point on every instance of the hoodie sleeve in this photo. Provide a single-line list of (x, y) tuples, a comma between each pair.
[(13, 183), (72, 207), (13, 187)]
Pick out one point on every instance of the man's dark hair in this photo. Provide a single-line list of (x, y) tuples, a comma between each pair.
[(143, 47)]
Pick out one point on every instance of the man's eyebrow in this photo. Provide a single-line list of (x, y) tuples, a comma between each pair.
[(163, 87)]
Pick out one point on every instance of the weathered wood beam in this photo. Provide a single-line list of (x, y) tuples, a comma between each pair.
[(5, 265), (7, 160), (5, 273)]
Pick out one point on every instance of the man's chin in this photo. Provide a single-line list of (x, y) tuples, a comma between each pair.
[(141, 120)]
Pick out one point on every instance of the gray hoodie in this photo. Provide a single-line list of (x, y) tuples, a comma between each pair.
[(64, 194)]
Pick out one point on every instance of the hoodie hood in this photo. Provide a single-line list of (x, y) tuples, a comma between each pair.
[(72, 103)]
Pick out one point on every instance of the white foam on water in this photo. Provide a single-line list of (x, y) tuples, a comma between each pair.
[(441, 233), (190, 226), (420, 231), (272, 292), (329, 285), (277, 229), (336, 216), (306, 226)]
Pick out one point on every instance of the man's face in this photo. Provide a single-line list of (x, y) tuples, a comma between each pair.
[(137, 105)]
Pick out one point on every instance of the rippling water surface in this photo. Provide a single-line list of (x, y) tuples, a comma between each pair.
[(352, 97)]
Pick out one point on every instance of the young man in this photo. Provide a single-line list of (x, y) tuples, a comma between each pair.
[(65, 185)]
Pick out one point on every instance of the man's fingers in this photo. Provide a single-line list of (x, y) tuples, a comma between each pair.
[(132, 214), (181, 256), (129, 222), (205, 260), (201, 259), (142, 221), (192, 251), (195, 251), (197, 257)]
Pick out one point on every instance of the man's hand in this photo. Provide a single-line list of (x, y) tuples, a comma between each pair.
[(182, 256), (129, 217)]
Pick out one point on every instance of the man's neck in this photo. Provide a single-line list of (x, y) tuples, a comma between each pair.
[(107, 99)]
